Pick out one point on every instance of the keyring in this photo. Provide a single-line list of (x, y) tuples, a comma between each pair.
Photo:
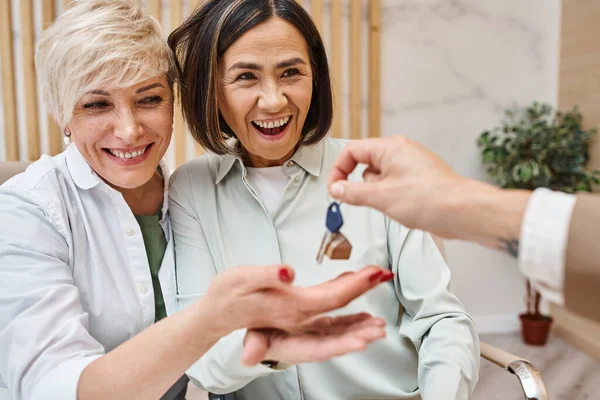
[(330, 199)]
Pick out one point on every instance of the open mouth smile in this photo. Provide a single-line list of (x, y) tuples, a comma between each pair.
[(132, 156), (272, 127)]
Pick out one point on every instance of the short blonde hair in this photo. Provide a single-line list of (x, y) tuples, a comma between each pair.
[(99, 44)]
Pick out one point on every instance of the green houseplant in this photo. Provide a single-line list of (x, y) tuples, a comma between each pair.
[(538, 147)]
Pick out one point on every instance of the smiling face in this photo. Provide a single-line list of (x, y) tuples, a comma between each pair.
[(124, 133), (266, 90)]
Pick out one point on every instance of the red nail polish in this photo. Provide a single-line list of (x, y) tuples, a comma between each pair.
[(387, 277), (284, 275), (375, 276)]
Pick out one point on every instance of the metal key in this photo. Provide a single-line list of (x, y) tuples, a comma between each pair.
[(333, 240)]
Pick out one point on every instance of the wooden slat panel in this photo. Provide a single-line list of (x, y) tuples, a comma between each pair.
[(355, 68), (29, 78), (179, 132), (154, 6), (374, 67), (335, 25), (198, 150), (316, 10), (54, 133), (11, 135), (579, 79), (194, 4)]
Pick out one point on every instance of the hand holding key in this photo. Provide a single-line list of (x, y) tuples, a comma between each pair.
[(334, 244)]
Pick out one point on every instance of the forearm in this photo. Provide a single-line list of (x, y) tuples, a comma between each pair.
[(449, 359), (148, 364), (486, 215)]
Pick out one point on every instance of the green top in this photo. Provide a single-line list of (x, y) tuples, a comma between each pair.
[(156, 244)]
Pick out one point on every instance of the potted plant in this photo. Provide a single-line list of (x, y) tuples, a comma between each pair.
[(538, 147)]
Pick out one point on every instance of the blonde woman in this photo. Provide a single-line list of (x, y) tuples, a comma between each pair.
[(86, 251)]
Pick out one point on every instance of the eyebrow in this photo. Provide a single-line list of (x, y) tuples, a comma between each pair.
[(140, 90), (256, 67), (100, 92), (152, 86)]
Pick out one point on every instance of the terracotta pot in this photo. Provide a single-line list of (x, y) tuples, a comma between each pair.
[(535, 329)]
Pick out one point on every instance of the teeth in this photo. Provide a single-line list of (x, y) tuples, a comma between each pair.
[(127, 155), (273, 124)]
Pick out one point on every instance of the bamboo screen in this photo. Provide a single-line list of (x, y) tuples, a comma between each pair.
[(350, 28)]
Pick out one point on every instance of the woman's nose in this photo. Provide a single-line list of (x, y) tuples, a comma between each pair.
[(128, 128), (272, 98)]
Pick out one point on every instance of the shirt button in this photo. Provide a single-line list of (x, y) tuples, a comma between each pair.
[(143, 289), (297, 178), (291, 163), (129, 231)]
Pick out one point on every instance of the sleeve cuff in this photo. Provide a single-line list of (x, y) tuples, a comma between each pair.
[(544, 233), (444, 383), (221, 367), (62, 381)]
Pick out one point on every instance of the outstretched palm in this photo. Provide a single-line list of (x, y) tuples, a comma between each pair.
[(318, 340)]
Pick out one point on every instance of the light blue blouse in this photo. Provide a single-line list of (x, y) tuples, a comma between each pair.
[(431, 349)]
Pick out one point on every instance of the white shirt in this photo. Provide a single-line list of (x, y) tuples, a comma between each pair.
[(543, 244), (74, 276), (269, 183)]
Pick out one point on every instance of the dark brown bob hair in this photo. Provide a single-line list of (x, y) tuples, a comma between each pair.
[(201, 41)]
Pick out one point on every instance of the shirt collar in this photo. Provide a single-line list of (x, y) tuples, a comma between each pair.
[(164, 169), (82, 173), (310, 158)]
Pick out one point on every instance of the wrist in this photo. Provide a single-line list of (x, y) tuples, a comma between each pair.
[(211, 319), (487, 214)]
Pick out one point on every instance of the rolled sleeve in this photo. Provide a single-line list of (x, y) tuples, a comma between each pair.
[(62, 381), (434, 319), (543, 242), (44, 340)]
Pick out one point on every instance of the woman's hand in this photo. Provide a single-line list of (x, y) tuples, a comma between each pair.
[(414, 186), (319, 340), (263, 297), (404, 180)]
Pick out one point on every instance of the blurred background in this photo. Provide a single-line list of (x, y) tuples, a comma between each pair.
[(438, 71)]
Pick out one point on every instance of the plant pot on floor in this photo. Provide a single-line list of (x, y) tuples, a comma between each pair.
[(535, 328)]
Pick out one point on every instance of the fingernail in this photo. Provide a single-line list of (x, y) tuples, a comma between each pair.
[(284, 275), (387, 277), (337, 190), (374, 276)]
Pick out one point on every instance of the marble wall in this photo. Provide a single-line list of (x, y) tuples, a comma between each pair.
[(449, 69)]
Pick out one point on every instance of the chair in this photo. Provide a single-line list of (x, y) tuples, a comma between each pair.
[(10, 168)]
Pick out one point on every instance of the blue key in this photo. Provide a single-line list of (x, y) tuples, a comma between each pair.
[(334, 220)]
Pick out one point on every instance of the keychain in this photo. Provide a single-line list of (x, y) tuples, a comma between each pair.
[(334, 244)]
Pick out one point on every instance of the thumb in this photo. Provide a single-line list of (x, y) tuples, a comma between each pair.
[(255, 348), (355, 193)]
